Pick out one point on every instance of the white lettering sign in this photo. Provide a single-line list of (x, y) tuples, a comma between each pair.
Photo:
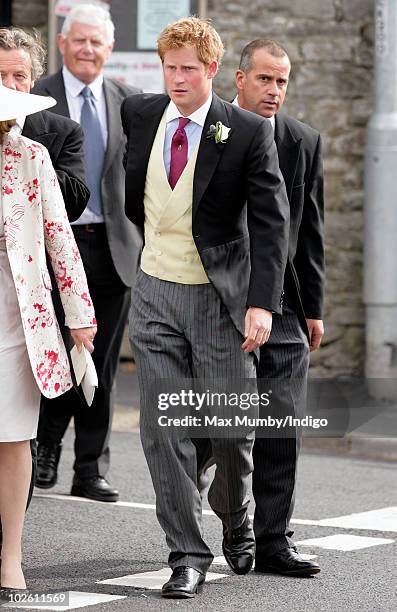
[(62, 7), (141, 69), (154, 15)]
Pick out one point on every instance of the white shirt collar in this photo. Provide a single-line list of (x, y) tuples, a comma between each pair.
[(74, 86), (271, 119), (199, 116), (20, 124)]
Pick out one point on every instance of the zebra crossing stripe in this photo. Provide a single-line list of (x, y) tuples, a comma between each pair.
[(344, 542), (152, 580)]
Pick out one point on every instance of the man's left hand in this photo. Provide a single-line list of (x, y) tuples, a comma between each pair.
[(258, 325), (316, 332)]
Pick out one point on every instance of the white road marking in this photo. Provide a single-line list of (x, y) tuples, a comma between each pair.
[(66, 497), (152, 580), (125, 504), (305, 521), (222, 561), (77, 599), (344, 542), (382, 519), (307, 557), (121, 504)]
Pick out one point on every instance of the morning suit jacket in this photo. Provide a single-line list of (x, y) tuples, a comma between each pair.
[(124, 239), (299, 150), (240, 213), (63, 138)]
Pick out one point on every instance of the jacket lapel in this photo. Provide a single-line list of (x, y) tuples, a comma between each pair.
[(143, 131), (19, 233), (209, 152), (35, 129), (288, 151), (115, 132), (55, 87)]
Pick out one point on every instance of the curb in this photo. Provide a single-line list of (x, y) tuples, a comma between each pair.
[(354, 445), (125, 418)]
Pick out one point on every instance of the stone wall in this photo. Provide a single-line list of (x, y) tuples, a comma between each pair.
[(31, 13), (330, 46)]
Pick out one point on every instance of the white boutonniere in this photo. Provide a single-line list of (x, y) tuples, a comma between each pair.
[(218, 132)]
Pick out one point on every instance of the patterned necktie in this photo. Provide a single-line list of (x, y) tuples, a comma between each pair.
[(94, 150), (179, 146)]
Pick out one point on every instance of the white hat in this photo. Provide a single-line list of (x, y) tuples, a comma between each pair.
[(16, 103)]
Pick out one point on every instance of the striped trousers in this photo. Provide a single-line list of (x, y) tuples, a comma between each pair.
[(184, 332), (284, 359), (283, 367)]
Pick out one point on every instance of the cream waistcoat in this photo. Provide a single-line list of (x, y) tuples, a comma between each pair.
[(170, 253)]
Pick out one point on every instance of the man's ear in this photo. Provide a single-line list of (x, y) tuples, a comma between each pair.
[(240, 79), (60, 41), (213, 69), (109, 50)]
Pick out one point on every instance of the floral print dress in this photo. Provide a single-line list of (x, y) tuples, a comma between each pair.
[(33, 221)]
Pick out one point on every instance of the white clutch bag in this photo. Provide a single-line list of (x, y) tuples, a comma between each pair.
[(85, 372)]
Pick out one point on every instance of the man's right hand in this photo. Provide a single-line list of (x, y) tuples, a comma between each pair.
[(258, 325), (316, 332)]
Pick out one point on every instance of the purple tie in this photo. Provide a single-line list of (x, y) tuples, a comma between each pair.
[(179, 146)]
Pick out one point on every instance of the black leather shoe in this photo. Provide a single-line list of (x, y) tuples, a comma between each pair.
[(239, 547), (287, 562), (47, 465), (7, 594), (94, 487), (184, 583)]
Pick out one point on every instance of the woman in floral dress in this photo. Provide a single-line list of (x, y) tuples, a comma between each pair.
[(33, 358)]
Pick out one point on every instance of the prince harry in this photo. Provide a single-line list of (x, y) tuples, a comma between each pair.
[(203, 185)]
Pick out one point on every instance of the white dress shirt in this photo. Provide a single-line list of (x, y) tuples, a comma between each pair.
[(73, 88), (271, 119), (20, 123), (193, 129)]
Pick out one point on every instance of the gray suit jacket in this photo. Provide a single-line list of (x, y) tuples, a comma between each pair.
[(123, 236)]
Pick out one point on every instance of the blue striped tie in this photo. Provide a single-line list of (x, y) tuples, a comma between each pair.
[(94, 150)]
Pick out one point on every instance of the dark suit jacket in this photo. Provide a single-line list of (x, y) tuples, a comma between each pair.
[(240, 210), (124, 239), (299, 150), (64, 140)]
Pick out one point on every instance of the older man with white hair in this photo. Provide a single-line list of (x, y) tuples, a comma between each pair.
[(107, 240)]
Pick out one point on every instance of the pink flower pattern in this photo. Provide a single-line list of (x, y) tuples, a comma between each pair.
[(35, 222), (32, 189)]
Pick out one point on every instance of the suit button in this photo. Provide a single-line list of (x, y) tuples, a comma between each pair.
[(197, 236), (158, 234)]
